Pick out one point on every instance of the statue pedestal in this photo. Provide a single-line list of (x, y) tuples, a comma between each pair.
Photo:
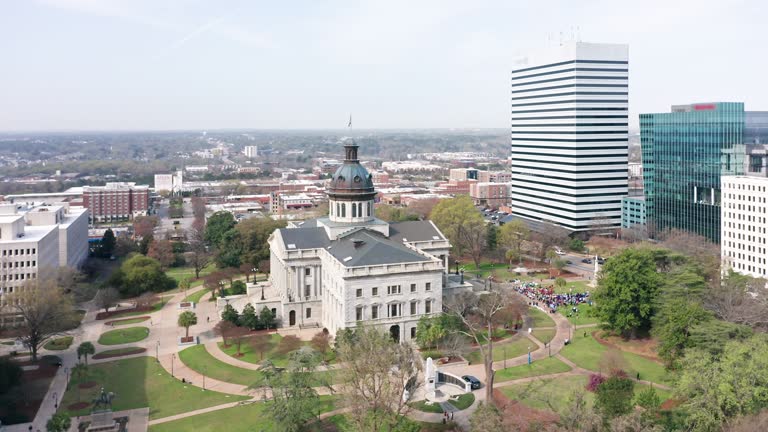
[(103, 421)]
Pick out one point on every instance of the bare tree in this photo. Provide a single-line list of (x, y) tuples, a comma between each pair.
[(455, 345), (481, 315), (739, 299), (106, 298), (198, 255), (473, 236), (224, 329), (44, 311), (706, 253), (378, 371)]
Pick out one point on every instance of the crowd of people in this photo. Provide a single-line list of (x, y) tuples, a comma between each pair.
[(547, 297)]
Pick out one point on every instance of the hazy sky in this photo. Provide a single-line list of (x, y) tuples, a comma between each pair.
[(190, 64)]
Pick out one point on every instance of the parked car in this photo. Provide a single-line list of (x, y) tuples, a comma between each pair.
[(600, 260), (474, 382), (587, 261), (569, 262)]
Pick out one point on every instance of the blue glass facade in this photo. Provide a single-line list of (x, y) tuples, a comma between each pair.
[(684, 154)]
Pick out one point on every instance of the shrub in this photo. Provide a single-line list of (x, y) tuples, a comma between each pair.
[(594, 382)]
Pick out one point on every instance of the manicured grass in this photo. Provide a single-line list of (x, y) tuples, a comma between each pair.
[(179, 273), (587, 353), (200, 360), (544, 335), (578, 286), (122, 336), (547, 366), (506, 350), (464, 401), (155, 307), (539, 318), (278, 359), (196, 296), (58, 344), (340, 422), (583, 317), (425, 406), (128, 321), (118, 352), (557, 392), (243, 418), (141, 382)]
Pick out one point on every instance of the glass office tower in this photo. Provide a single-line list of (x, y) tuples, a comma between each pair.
[(684, 154)]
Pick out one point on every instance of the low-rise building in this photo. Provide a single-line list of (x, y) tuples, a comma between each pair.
[(116, 201), (169, 183), (489, 194), (633, 211), (494, 176)]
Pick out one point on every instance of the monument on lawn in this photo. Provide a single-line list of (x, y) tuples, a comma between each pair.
[(102, 419)]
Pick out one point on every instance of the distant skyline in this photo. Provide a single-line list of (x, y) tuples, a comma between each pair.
[(205, 65)]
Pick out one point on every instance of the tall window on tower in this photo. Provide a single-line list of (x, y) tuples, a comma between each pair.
[(370, 210), (354, 210), (344, 210)]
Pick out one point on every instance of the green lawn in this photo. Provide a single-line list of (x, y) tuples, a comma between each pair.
[(279, 360), (340, 422), (155, 307), (584, 316), (544, 335), (141, 382), (557, 392), (547, 366), (242, 418), (179, 273), (539, 318), (58, 344), (200, 360), (122, 336), (587, 352), (196, 296), (464, 401), (504, 350), (117, 351), (425, 406), (578, 286), (128, 321)]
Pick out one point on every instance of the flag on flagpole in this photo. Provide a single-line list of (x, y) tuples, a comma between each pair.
[(350, 121)]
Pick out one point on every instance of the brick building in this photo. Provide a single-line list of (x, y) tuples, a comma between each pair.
[(116, 201)]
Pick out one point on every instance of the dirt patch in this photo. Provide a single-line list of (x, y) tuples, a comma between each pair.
[(88, 384), (113, 322), (518, 416), (643, 347), (131, 351), (669, 404), (77, 406)]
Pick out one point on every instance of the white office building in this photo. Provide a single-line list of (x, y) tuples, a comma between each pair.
[(171, 183), (251, 151), (744, 216), (36, 240), (570, 135)]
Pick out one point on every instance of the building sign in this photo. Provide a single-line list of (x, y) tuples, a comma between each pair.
[(704, 107)]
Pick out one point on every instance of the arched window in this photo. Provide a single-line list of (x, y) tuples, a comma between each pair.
[(343, 210), (338, 212), (370, 209), (354, 210)]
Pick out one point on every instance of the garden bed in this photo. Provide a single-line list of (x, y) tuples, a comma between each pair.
[(87, 384), (119, 352), (127, 321), (78, 406), (642, 347), (117, 313)]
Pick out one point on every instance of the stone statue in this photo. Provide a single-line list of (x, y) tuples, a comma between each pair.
[(430, 375), (103, 401)]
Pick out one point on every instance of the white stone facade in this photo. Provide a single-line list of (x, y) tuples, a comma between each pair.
[(744, 224)]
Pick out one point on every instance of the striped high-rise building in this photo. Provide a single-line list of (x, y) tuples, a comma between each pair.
[(570, 136)]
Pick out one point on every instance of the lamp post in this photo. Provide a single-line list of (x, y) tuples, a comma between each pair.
[(457, 267), (55, 400), (173, 357), (205, 370), (505, 356), (157, 351), (550, 348), (66, 371)]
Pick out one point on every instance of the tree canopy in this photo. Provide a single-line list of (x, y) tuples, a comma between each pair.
[(627, 290), (140, 274)]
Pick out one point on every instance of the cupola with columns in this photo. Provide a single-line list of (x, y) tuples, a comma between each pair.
[(351, 193)]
